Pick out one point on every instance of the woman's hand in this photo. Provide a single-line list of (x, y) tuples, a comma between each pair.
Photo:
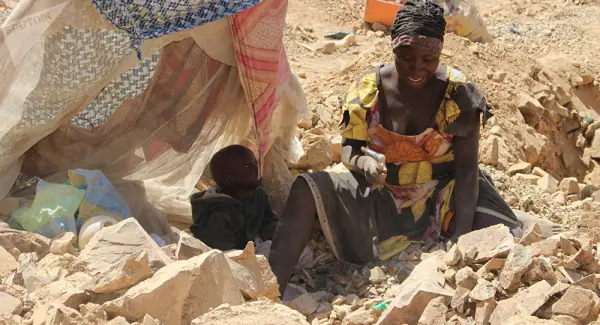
[(375, 173)]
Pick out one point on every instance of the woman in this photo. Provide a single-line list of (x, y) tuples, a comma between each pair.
[(425, 119)]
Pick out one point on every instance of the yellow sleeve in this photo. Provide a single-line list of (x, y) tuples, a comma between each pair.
[(360, 99)]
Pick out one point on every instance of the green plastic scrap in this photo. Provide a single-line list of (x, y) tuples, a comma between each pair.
[(381, 306)]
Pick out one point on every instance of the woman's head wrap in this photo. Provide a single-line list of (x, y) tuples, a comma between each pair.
[(419, 23)]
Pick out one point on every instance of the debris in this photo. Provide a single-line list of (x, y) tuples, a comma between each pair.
[(577, 302), (435, 312), (569, 185), (252, 313), (305, 304), (64, 243), (483, 291), (361, 316), (525, 302), (532, 235), (466, 278), (484, 310), (9, 305), (485, 244), (189, 246), (377, 275)]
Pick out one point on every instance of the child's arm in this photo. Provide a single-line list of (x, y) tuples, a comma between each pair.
[(216, 230), (269, 223)]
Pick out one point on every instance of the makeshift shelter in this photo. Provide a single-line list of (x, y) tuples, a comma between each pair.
[(145, 91)]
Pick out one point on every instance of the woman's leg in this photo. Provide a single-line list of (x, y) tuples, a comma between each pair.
[(293, 232)]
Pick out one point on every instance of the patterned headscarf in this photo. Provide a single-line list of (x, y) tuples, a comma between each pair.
[(419, 23)]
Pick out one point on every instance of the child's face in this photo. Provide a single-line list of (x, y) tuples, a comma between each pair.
[(245, 173)]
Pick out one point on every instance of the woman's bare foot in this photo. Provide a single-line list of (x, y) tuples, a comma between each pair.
[(548, 228)]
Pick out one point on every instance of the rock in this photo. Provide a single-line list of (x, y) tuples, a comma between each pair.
[(317, 152), (567, 246), (377, 275), (323, 310), (379, 27), (118, 321), (548, 184), (189, 246), (379, 34), (148, 320), (489, 151), (530, 108), (566, 320), (424, 284), (484, 244), (452, 257), (305, 304), (460, 298), (258, 266), (532, 235), (546, 247), (252, 313), (595, 147), (336, 149), (8, 264), (520, 168), (342, 311), (27, 274), (484, 290), (499, 76), (17, 242), (526, 178), (64, 243), (435, 312), (360, 316), (525, 302), (521, 319), (450, 275), (494, 264), (541, 269), (466, 278), (577, 302), (129, 271), (304, 124), (63, 315), (109, 245), (171, 251), (65, 291), (484, 310), (328, 48), (517, 263), (569, 185), (184, 285), (9, 305), (351, 299), (92, 314), (560, 197), (572, 198)]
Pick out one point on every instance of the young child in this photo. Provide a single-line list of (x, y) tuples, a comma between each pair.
[(236, 210)]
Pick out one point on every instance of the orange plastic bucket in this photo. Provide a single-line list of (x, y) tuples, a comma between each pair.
[(383, 12)]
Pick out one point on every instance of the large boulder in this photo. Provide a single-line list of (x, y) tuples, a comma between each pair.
[(180, 291), (110, 244)]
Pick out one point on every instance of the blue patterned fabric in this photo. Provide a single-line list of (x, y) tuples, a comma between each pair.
[(146, 19)]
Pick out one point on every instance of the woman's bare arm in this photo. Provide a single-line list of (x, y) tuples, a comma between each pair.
[(466, 188)]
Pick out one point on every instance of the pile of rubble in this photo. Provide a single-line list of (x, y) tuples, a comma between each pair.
[(489, 277), (122, 276)]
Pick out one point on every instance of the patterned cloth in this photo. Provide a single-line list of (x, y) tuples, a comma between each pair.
[(418, 166), (146, 19), (417, 202)]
